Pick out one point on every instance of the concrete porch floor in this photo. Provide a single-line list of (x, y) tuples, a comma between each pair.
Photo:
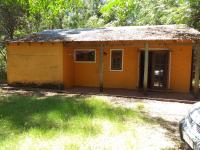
[(136, 94)]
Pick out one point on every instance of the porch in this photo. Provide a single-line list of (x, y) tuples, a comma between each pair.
[(120, 93)]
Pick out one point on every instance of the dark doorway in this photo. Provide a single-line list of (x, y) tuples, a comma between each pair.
[(157, 70)]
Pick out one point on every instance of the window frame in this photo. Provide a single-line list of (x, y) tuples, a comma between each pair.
[(94, 50), (122, 68)]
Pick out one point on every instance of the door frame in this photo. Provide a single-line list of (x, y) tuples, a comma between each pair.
[(169, 66)]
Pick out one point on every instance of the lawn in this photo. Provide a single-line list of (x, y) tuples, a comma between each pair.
[(76, 122)]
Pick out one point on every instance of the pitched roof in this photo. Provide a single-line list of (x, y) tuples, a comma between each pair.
[(125, 33)]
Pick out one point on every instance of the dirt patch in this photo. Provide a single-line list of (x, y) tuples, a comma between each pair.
[(166, 114)]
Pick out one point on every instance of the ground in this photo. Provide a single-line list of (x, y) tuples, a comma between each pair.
[(43, 119)]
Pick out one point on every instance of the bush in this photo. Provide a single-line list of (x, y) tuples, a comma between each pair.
[(3, 75)]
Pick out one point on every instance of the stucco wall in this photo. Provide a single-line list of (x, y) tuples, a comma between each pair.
[(87, 74), (181, 59), (68, 67), (128, 77), (38, 63), (52, 63)]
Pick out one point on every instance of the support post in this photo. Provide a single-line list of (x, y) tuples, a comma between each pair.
[(101, 70), (146, 64), (197, 69)]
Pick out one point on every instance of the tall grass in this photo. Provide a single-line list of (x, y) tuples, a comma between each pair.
[(31, 122)]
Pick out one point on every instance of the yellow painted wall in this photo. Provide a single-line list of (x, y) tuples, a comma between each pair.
[(35, 63), (128, 77), (181, 68), (68, 67), (87, 74), (53, 63)]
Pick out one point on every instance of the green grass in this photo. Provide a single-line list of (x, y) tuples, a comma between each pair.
[(31, 122)]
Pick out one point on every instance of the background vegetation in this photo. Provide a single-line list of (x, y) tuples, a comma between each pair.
[(21, 17)]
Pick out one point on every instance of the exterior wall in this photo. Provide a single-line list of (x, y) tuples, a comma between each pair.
[(68, 67), (39, 63), (181, 59), (42, 63), (128, 77), (87, 74)]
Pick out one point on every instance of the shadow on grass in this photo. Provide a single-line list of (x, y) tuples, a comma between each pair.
[(172, 129), (172, 133), (74, 115)]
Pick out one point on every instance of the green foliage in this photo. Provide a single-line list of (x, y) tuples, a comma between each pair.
[(11, 18), (3, 59), (50, 14), (46, 14), (194, 19), (145, 12), (94, 22), (118, 12)]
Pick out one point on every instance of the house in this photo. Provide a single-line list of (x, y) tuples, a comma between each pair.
[(132, 57)]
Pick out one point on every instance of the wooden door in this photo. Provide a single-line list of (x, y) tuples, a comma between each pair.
[(159, 69)]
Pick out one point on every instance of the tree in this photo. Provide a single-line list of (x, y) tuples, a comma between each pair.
[(118, 12), (11, 18), (46, 14), (145, 12), (93, 16), (194, 20)]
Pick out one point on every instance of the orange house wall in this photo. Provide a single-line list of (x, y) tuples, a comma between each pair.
[(87, 74), (181, 60), (53, 63), (35, 63), (68, 67), (128, 77)]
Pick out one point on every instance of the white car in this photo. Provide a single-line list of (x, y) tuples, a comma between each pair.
[(189, 127)]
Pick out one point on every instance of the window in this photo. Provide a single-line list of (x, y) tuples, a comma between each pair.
[(116, 60), (85, 55)]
